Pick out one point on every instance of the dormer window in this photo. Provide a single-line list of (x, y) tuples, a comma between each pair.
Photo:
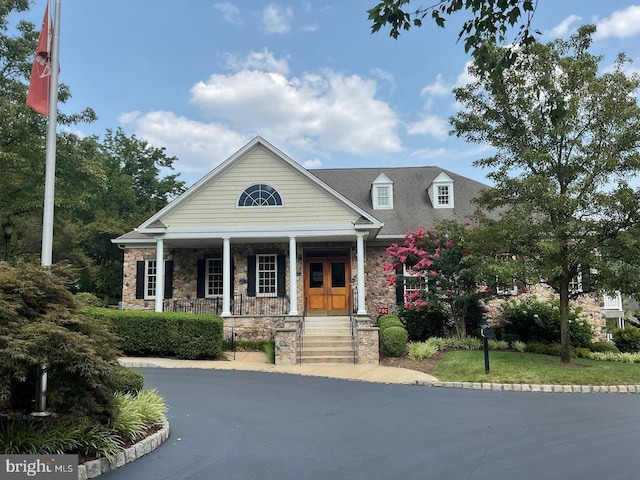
[(443, 195), (382, 193), (441, 191)]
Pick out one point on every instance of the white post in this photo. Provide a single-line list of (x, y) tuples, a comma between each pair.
[(361, 291), (226, 277), (50, 160), (159, 274), (293, 280), (46, 253)]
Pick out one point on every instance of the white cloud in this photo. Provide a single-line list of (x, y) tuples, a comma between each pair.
[(313, 116), (276, 19), (429, 125), (385, 76), (199, 146), (323, 110), (315, 163), (621, 24), (564, 27), (437, 88), (465, 77), (264, 61), (428, 153), (230, 12)]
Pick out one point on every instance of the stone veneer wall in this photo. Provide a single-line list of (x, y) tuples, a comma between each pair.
[(367, 341), (591, 305), (378, 293)]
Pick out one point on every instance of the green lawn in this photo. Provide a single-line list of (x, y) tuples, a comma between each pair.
[(513, 367)]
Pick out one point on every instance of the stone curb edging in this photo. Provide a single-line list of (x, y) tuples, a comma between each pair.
[(94, 468), (525, 387)]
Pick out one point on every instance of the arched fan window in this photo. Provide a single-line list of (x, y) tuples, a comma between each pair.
[(260, 195)]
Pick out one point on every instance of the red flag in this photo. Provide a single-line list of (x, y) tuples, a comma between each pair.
[(38, 94)]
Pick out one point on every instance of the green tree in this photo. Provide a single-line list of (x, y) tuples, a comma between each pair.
[(491, 23), (39, 325), (566, 140), (440, 264)]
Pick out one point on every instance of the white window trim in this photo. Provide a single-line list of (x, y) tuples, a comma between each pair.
[(379, 183), (259, 271), (147, 276), (207, 283), (442, 180), (507, 291), (406, 274), (575, 286)]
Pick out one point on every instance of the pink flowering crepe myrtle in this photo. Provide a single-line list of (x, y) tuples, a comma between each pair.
[(437, 260)]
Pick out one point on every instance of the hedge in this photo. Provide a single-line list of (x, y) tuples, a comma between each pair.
[(166, 334)]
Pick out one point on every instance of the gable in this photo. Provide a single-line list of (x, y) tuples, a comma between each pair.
[(215, 203)]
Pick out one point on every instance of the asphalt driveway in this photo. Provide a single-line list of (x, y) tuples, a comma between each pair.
[(255, 425)]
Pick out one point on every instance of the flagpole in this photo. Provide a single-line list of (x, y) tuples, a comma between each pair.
[(46, 256), (50, 172)]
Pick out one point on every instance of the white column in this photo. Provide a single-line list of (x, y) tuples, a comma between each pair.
[(226, 277), (293, 280), (159, 273), (361, 291)]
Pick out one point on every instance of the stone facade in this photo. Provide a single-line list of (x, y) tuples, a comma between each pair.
[(591, 306), (367, 341), (264, 324), (379, 294)]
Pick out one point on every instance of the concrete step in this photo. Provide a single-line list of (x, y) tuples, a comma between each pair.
[(327, 340), (310, 342), (344, 332), (346, 359), (316, 351)]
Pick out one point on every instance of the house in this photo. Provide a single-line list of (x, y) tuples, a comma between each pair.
[(277, 249), (284, 252)]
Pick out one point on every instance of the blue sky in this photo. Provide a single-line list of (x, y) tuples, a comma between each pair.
[(203, 77)]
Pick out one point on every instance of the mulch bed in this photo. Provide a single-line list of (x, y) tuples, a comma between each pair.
[(427, 366)]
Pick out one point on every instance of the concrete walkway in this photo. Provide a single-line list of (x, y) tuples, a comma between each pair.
[(257, 361)]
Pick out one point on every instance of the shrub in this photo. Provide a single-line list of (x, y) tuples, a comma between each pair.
[(603, 347), (582, 352), (394, 340), (511, 338), (470, 343), (538, 321), (537, 347), (57, 435), (423, 324), (40, 325), (519, 346), (181, 335), (422, 350), (497, 344), (627, 339), (128, 380), (387, 321), (86, 299), (137, 413)]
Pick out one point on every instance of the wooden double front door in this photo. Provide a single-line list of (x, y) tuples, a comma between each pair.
[(327, 283)]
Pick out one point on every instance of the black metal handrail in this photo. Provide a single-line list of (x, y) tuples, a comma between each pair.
[(354, 292), (301, 332), (229, 335), (240, 305)]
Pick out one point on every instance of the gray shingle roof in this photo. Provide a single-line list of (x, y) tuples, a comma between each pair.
[(411, 204)]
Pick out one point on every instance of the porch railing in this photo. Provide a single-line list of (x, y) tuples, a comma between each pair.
[(240, 305)]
